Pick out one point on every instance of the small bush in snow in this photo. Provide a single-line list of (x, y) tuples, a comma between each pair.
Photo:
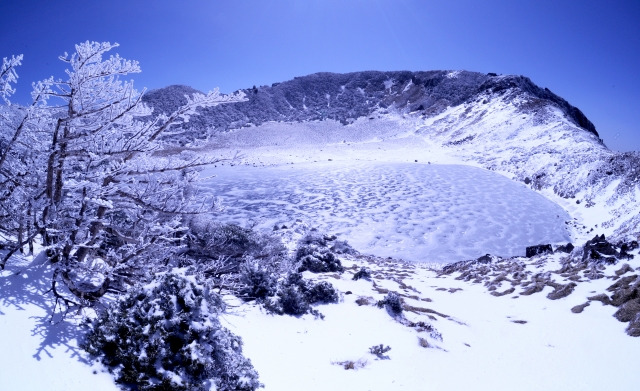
[(208, 240), (314, 255), (313, 237), (392, 302), (379, 351), (426, 327), (322, 292), (257, 281), (350, 364), (295, 296), (167, 336), (342, 247), (292, 301), (317, 260), (362, 273)]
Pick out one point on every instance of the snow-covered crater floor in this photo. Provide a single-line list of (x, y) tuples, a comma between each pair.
[(417, 212)]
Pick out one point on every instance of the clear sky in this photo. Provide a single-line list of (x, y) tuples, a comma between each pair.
[(586, 51)]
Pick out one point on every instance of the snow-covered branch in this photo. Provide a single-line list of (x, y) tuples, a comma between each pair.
[(99, 182), (9, 76)]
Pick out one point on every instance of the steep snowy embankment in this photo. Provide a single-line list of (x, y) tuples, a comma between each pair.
[(537, 144)]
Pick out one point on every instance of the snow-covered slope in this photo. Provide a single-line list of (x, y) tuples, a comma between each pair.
[(535, 142), (502, 123), (544, 322), (345, 97), (497, 326)]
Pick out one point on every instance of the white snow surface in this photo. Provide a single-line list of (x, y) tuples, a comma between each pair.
[(512, 341), (40, 350), (488, 343), (417, 212)]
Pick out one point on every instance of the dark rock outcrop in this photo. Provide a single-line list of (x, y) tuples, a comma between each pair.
[(538, 249), (599, 250), (567, 248), (561, 291), (466, 265)]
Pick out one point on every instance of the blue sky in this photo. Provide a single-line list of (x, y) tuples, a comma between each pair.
[(586, 51)]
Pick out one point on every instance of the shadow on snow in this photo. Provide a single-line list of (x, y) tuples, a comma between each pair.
[(25, 285)]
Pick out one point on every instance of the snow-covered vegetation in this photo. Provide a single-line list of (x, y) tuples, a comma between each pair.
[(121, 269), (166, 335)]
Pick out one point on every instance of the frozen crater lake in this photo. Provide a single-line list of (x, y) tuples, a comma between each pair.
[(417, 212)]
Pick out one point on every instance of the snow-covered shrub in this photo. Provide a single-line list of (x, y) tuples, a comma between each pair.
[(379, 351), (167, 336), (426, 327), (314, 237), (257, 280), (362, 273), (322, 292), (392, 302), (342, 247), (314, 255), (239, 260), (295, 296), (320, 261), (209, 240), (291, 301)]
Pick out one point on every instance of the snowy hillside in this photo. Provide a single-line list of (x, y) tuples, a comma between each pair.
[(501, 123), (346, 97), (436, 168)]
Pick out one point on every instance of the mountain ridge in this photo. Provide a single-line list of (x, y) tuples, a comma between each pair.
[(345, 97)]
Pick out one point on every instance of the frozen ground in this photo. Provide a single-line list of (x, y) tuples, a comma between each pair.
[(39, 351), (418, 212), (513, 341)]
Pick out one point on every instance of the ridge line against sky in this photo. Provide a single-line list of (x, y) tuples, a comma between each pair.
[(587, 52)]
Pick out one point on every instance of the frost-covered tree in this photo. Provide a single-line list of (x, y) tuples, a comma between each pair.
[(21, 158), (9, 76), (113, 194)]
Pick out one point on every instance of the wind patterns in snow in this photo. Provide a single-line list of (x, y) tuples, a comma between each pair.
[(418, 212)]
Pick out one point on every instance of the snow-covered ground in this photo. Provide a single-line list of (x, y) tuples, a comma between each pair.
[(40, 351), (488, 343), (494, 335), (414, 211)]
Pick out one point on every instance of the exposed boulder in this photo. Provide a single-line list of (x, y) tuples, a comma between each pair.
[(625, 289), (561, 291), (538, 249), (600, 249), (628, 311), (624, 269), (567, 248), (465, 265), (634, 326), (579, 308)]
